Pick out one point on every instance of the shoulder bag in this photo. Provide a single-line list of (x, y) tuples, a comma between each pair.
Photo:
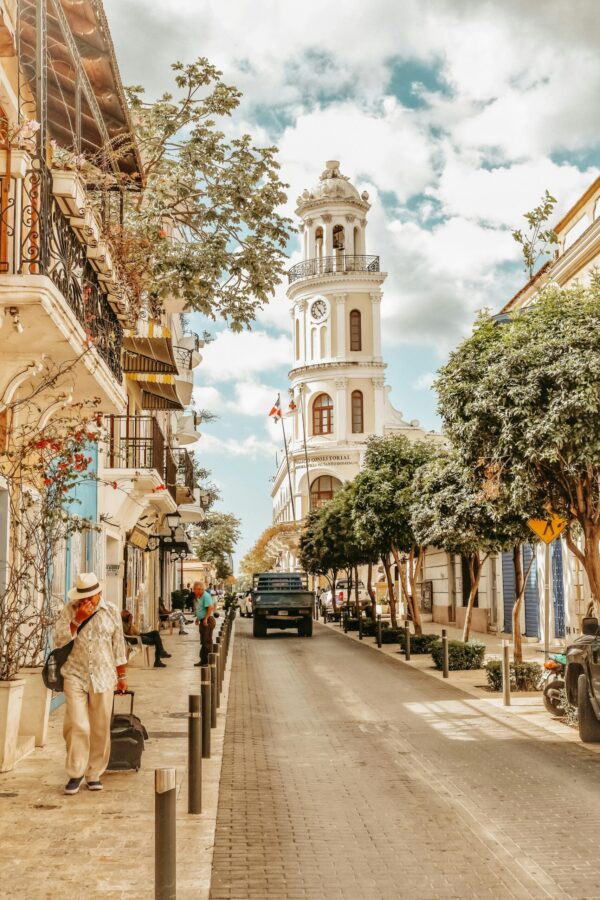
[(51, 673)]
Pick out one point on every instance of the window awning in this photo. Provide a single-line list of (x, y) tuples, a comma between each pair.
[(158, 391), (148, 349)]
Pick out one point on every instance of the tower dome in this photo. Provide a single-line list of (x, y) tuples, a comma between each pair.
[(332, 186)]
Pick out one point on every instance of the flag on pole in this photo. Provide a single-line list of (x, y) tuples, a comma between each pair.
[(276, 409)]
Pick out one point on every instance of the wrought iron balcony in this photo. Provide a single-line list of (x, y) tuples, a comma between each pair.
[(136, 442), (186, 477), (183, 358), (36, 238), (341, 264), (171, 473)]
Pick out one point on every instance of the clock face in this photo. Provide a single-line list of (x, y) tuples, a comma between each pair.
[(318, 310)]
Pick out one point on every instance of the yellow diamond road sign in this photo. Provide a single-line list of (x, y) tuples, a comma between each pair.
[(548, 531)]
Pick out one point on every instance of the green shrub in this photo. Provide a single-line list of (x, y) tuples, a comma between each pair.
[(461, 655), (352, 624), (523, 676), (419, 643), (390, 635), (370, 627)]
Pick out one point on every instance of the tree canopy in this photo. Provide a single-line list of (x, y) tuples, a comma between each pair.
[(216, 541)]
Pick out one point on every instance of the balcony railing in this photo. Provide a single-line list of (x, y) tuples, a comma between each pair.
[(185, 469), (36, 238), (135, 442), (333, 265), (183, 358), (171, 473)]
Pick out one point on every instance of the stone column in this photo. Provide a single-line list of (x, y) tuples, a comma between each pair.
[(349, 229), (340, 325), (340, 410), (328, 228), (376, 322), (378, 403), (302, 307)]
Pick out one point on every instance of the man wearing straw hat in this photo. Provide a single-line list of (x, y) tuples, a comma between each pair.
[(95, 666)]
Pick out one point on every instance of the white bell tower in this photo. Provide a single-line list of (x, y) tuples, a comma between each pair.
[(338, 374)]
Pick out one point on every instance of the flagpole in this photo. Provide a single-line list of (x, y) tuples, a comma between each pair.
[(305, 449), (287, 459)]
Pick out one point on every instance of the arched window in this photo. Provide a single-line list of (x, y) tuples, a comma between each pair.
[(358, 425), (313, 340), (355, 330), (322, 337), (319, 242), (322, 489), (297, 339), (323, 415), (338, 237)]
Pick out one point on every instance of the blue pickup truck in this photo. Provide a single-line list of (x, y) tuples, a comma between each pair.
[(282, 600)]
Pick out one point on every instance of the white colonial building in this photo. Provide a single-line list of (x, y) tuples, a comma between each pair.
[(338, 376)]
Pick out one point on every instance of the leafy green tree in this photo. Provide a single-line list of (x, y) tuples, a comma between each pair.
[(521, 401), (219, 534), (536, 242), (397, 460), (451, 512), (209, 211)]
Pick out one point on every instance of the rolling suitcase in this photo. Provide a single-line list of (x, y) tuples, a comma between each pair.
[(127, 736)]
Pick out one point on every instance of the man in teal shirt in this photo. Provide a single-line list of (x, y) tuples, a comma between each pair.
[(205, 619)]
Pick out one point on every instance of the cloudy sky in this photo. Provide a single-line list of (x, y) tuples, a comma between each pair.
[(455, 115)]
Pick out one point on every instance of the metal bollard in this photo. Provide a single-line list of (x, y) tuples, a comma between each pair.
[(406, 641), (217, 653), (194, 755), (222, 661), (345, 615), (324, 615), (445, 661), (360, 627), (379, 630), (505, 673), (205, 695), (165, 841), (212, 663)]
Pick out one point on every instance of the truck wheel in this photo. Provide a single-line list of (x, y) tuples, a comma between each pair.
[(589, 726), (308, 626), (259, 629)]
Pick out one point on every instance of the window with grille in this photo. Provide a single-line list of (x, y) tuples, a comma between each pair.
[(355, 330), (357, 413), (323, 415)]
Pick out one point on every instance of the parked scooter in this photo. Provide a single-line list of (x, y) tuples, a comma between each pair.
[(553, 684)]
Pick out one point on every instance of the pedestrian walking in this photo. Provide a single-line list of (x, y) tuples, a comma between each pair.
[(205, 605), (95, 666)]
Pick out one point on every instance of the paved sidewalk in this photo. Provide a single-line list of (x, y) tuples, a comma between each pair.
[(101, 845), (528, 707)]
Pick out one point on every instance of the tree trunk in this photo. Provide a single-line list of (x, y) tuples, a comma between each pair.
[(333, 580), (403, 586), (589, 557), (415, 572), (516, 611), (356, 598), (371, 592), (385, 559), (475, 568)]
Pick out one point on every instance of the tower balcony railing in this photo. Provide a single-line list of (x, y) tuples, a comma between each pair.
[(341, 264)]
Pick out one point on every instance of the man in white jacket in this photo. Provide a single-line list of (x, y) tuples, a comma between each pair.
[(95, 666)]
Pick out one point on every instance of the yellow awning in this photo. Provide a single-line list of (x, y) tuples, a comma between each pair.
[(148, 349), (158, 391)]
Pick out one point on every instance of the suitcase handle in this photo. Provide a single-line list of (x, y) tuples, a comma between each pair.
[(123, 694)]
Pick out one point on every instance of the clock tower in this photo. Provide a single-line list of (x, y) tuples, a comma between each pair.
[(337, 378)]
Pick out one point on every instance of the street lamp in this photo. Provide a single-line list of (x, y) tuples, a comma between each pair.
[(173, 519)]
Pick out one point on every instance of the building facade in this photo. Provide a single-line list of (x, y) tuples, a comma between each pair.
[(339, 395)]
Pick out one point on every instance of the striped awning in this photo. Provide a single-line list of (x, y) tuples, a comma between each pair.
[(148, 349), (158, 391)]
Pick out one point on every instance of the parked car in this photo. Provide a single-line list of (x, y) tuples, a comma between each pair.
[(341, 595), (582, 679), (245, 604)]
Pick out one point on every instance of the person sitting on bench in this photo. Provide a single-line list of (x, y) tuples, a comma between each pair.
[(151, 638), (170, 615)]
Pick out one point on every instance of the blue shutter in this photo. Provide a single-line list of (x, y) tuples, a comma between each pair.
[(558, 588), (508, 590), (532, 598)]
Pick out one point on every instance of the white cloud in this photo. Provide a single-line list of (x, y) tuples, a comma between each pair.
[(253, 399), (252, 446), (207, 397), (236, 357), (424, 382)]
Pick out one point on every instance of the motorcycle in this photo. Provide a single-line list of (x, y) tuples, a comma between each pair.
[(553, 684)]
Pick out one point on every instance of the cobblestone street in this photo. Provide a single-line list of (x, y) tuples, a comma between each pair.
[(348, 775)]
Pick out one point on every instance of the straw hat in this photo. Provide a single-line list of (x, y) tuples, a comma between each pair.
[(87, 585)]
